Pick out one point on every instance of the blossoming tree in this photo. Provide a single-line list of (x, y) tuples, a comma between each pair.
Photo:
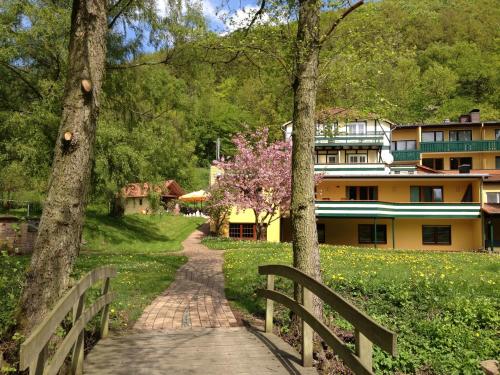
[(258, 178)]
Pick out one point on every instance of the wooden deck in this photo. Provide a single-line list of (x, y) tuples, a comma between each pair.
[(236, 350)]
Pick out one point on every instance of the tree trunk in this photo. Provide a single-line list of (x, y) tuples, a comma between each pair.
[(305, 238), (58, 242)]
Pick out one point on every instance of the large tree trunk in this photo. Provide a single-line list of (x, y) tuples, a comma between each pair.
[(305, 238), (60, 230)]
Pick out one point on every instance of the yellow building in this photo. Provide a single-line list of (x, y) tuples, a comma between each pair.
[(241, 224), (467, 145), (426, 186)]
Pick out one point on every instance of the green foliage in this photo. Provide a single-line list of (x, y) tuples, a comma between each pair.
[(11, 279), (443, 306), (408, 61)]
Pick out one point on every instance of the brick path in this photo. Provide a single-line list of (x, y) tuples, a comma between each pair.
[(187, 331), (196, 297)]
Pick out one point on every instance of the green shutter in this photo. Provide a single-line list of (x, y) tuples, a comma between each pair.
[(414, 194)]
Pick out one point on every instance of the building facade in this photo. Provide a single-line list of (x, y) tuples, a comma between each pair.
[(425, 187)]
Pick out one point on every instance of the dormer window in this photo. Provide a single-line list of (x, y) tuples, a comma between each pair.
[(354, 128)]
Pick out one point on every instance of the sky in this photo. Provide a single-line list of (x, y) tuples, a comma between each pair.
[(215, 11)]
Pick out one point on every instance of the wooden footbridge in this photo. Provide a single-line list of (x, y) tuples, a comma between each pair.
[(222, 350)]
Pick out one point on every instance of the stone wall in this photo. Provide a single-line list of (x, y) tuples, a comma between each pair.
[(18, 236)]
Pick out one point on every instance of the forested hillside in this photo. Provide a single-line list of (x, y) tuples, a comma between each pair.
[(169, 94)]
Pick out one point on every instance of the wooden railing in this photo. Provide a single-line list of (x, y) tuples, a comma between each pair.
[(34, 351), (367, 331)]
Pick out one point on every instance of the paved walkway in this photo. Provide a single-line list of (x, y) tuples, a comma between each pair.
[(196, 297), (190, 329)]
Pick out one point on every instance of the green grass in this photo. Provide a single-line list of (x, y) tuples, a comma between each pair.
[(443, 306), (136, 233)]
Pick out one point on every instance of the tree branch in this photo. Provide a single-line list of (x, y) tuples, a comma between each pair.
[(334, 25), (17, 72), (255, 16), (115, 18)]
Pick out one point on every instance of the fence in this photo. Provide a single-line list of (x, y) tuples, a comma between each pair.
[(367, 331), (35, 350)]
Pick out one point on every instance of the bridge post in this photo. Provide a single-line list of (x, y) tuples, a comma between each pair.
[(307, 332), (364, 349), (39, 366), (105, 311), (269, 305), (77, 358)]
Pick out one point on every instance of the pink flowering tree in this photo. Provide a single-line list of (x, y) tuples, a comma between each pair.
[(258, 178)]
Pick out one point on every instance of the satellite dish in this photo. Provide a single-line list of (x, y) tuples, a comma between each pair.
[(388, 158)]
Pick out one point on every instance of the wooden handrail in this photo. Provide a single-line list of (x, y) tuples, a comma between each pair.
[(367, 331), (34, 350)]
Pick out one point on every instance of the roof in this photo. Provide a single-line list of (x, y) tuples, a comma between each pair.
[(491, 208), (169, 188), (337, 113)]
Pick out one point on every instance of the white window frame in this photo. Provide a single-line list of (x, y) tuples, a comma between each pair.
[(356, 158), (493, 194), (328, 160), (356, 128)]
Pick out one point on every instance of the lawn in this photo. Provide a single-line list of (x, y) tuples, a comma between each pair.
[(137, 245), (443, 306)]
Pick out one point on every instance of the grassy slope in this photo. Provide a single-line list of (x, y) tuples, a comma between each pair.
[(444, 306), (136, 233)]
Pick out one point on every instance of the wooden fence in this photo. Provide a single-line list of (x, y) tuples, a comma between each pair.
[(367, 331), (34, 351)]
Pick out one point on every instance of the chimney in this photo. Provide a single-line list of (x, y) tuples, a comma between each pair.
[(463, 119), (475, 115)]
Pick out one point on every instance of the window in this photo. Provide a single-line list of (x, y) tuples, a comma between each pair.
[(366, 233), (356, 128), (436, 235), (497, 134), (242, 231), (460, 135), (436, 136), (321, 233), (457, 162), (426, 193), (403, 145), (433, 163), (493, 197), (324, 156), (356, 158), (140, 202), (362, 193), (497, 162)]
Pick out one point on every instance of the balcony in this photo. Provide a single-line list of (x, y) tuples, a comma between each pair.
[(351, 169), (401, 210), (459, 146), (406, 155), (370, 138)]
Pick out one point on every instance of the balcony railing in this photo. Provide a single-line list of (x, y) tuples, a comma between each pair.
[(406, 155), (344, 138), (390, 209), (460, 146)]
